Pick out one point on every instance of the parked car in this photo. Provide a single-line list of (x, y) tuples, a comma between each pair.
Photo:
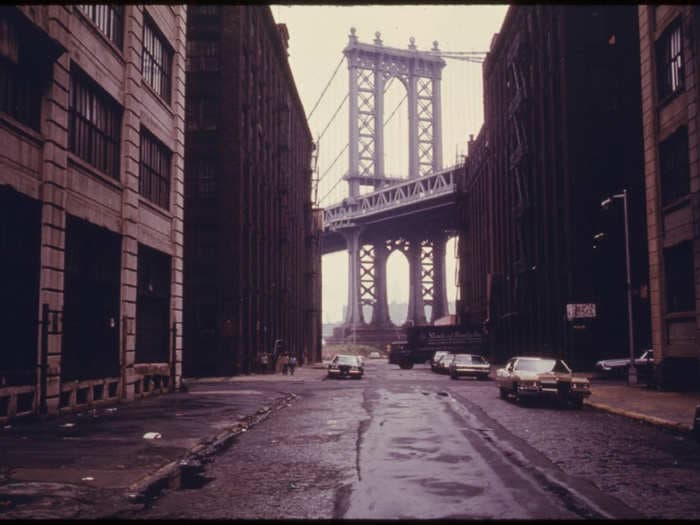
[(375, 355), (533, 377), (443, 362), (619, 366), (345, 366), (436, 357), (469, 365)]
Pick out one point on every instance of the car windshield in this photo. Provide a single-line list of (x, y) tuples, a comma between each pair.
[(542, 365), (345, 360), (469, 359), (439, 354), (446, 358)]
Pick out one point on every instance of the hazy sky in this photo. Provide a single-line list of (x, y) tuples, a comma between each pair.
[(318, 35)]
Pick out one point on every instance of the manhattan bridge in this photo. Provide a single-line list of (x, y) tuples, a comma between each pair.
[(413, 212)]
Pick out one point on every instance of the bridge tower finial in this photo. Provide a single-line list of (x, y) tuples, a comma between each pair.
[(352, 37), (377, 39)]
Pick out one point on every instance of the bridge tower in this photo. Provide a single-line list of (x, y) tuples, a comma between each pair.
[(371, 66)]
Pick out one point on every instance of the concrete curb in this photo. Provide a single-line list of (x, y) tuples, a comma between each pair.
[(170, 474), (677, 427)]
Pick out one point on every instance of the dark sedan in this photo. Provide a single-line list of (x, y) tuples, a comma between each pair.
[(346, 366), (620, 365), (469, 365)]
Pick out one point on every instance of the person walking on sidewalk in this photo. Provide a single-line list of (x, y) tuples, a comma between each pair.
[(292, 364), (284, 361)]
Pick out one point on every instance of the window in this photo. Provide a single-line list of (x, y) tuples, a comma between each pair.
[(20, 95), (201, 180), (201, 113), (154, 170), (680, 282), (156, 61), (203, 10), (673, 166), (669, 61), (109, 19), (94, 125), (202, 55)]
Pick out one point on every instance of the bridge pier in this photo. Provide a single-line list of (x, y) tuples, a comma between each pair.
[(440, 306), (380, 312), (353, 314), (416, 306)]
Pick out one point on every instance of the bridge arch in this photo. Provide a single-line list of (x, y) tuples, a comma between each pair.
[(396, 154), (397, 286)]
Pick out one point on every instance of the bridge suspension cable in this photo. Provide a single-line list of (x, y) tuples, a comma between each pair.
[(347, 145), (331, 190), (396, 109), (334, 115), (468, 56), (334, 161), (337, 68)]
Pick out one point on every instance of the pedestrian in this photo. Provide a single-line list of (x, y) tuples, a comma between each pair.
[(285, 363), (264, 361), (292, 364)]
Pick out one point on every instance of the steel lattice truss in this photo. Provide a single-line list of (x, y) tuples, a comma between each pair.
[(366, 121), (428, 188), (368, 288), (427, 272), (425, 125)]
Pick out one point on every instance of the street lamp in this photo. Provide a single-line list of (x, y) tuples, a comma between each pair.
[(632, 371)]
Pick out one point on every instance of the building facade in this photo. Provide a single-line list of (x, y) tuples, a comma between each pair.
[(91, 204), (250, 234), (670, 96), (562, 132)]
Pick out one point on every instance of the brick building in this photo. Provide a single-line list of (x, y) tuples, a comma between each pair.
[(562, 131), (251, 253), (670, 96), (91, 191)]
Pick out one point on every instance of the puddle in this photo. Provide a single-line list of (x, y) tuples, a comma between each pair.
[(192, 478)]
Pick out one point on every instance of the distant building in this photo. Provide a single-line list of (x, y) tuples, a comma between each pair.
[(91, 185), (562, 132), (670, 95), (252, 256)]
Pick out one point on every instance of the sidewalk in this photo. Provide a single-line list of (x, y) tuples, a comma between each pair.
[(673, 410), (60, 467)]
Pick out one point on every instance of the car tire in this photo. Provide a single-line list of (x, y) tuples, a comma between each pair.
[(577, 403), (518, 399), (502, 393), (453, 376)]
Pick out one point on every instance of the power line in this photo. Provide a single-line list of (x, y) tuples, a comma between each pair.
[(326, 88)]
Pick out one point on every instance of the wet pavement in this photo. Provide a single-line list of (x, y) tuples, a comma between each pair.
[(396, 444)]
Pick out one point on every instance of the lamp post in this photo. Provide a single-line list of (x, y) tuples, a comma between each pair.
[(632, 371)]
